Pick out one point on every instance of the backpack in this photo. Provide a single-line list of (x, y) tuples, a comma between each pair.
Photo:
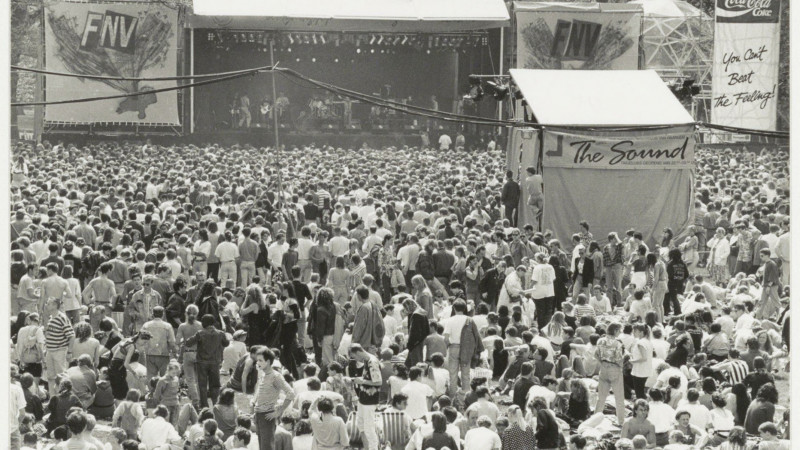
[(127, 421), (30, 351)]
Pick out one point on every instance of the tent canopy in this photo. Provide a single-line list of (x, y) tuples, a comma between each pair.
[(599, 97), (403, 16)]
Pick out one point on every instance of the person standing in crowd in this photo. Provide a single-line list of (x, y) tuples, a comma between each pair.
[(610, 352), (510, 197), (59, 337), (364, 369), (265, 400), (210, 342)]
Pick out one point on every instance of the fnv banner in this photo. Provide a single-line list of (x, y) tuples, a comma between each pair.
[(114, 40), (588, 36), (745, 70), (664, 151)]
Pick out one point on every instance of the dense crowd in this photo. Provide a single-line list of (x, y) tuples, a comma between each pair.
[(213, 298)]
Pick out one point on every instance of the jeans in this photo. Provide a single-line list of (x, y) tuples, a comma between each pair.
[(328, 352), (248, 271), (265, 430), (365, 422), (614, 280), (511, 214), (544, 310), (305, 270), (457, 367), (227, 271), (671, 299), (580, 288), (657, 300), (639, 386), (208, 382), (611, 378), (156, 365), (190, 376), (56, 362)]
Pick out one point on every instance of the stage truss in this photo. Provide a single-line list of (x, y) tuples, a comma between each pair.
[(677, 40)]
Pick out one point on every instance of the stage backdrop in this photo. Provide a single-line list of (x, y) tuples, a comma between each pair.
[(111, 39), (746, 56), (578, 35), (600, 178)]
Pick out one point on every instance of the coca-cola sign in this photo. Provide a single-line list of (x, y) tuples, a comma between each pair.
[(748, 11)]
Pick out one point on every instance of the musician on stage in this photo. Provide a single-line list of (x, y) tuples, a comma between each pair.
[(265, 112), (244, 111), (281, 106)]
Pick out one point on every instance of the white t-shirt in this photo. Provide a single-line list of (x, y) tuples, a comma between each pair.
[(453, 326), (540, 391), (16, 402), (666, 374), (700, 415), (444, 142), (482, 439), (156, 432), (544, 275), (418, 394)]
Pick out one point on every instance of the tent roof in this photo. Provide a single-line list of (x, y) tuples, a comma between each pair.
[(599, 97), (527, 6), (668, 8), (404, 16)]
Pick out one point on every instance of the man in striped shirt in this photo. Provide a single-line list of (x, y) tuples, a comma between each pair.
[(265, 401), (59, 336), (734, 368)]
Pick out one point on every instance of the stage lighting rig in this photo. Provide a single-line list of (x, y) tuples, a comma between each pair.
[(475, 90), (498, 90)]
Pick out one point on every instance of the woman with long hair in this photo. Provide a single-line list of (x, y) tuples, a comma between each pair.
[(554, 330), (255, 313), (225, 412), (418, 330), (323, 327), (201, 251), (86, 344), (666, 238), (578, 408), (519, 435), (738, 401), (339, 280), (422, 294), (659, 289), (690, 248), (287, 340), (737, 440), (638, 267)]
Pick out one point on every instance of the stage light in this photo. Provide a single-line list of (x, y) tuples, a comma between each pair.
[(358, 50), (475, 90), (336, 60), (498, 91), (372, 40), (291, 39), (298, 60), (314, 38), (313, 59), (405, 40), (322, 38), (383, 51), (372, 50), (428, 51), (380, 40), (397, 40), (289, 49)]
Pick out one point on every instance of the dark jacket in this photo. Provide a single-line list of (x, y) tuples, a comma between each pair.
[(588, 270), (210, 344), (418, 328), (210, 305), (322, 321), (175, 310), (426, 266), (443, 264), (511, 193), (471, 342)]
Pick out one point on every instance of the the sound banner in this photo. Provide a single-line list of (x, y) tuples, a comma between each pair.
[(649, 151), (745, 66)]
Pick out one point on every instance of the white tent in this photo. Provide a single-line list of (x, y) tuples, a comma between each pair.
[(638, 174)]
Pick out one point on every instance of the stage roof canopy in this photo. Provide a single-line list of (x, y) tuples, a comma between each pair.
[(401, 16), (599, 97)]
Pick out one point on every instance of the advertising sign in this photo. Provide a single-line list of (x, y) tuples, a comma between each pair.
[(746, 56), (578, 36), (667, 151), (111, 40)]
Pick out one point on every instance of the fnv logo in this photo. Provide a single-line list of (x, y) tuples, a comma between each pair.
[(110, 30), (748, 10)]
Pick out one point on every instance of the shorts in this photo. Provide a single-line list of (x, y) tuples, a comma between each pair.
[(34, 369)]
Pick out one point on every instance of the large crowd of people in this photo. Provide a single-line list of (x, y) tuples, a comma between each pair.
[(210, 298)]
